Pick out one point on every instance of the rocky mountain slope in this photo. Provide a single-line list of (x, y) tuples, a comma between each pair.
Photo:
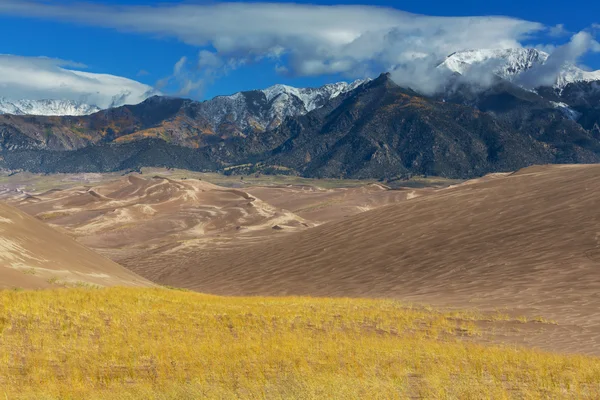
[(261, 110), (378, 130), (383, 130)]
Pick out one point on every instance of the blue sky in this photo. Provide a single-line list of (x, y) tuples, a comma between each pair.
[(148, 56)]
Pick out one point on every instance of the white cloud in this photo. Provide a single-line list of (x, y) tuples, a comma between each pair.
[(310, 40), (547, 73), (546, 48), (558, 30), (190, 78), (179, 66), (209, 59), (422, 73), (184, 77), (38, 78), (314, 39)]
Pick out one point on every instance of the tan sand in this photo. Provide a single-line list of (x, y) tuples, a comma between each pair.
[(33, 255)]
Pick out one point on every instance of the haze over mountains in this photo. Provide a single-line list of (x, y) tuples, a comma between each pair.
[(484, 119)]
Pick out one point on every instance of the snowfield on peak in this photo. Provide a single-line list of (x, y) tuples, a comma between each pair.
[(47, 107), (571, 73), (568, 111), (504, 62), (510, 63), (312, 98)]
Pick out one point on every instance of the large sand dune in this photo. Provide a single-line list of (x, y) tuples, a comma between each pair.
[(134, 216), (33, 255), (529, 241)]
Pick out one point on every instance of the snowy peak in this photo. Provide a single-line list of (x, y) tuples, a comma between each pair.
[(45, 107), (503, 62), (312, 98), (510, 63), (287, 101), (261, 110), (572, 74)]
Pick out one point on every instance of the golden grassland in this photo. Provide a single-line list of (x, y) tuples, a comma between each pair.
[(118, 343)]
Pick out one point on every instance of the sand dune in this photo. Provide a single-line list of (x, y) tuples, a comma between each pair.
[(33, 255), (529, 241), (132, 216), (324, 205), (152, 216)]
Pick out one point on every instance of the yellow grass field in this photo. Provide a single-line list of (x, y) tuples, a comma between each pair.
[(85, 343)]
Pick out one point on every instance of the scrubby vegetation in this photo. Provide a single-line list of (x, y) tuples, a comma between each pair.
[(122, 343)]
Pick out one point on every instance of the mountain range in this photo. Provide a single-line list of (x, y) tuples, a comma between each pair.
[(364, 129)]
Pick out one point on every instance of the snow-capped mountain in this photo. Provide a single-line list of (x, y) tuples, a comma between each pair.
[(573, 74), (510, 63), (283, 99), (45, 107), (311, 98), (260, 110)]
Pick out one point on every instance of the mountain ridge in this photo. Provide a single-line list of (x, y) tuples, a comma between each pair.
[(384, 130), (364, 129)]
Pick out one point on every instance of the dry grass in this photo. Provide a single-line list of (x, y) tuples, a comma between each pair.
[(166, 344)]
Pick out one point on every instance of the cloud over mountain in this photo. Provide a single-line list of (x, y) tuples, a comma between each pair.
[(480, 68), (547, 73), (39, 78)]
